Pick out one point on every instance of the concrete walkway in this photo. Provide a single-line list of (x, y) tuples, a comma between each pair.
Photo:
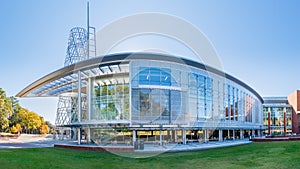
[(152, 148), (191, 146), (36, 141), (28, 141)]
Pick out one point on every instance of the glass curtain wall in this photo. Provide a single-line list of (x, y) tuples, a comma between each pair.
[(110, 100), (201, 95), (160, 89), (277, 117), (153, 99)]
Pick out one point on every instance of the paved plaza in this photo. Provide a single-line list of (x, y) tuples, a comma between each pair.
[(191, 146), (28, 141), (36, 141)]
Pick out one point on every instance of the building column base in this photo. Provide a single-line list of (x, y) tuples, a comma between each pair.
[(220, 135), (79, 136)]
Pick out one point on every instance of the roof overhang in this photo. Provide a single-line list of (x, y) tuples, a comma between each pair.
[(63, 79)]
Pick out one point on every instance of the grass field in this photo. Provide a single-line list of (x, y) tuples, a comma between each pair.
[(254, 155)]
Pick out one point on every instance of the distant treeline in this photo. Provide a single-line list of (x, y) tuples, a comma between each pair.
[(16, 119)]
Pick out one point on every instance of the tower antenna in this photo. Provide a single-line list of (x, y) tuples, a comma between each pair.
[(88, 30)]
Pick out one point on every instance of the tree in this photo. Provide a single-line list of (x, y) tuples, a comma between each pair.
[(5, 110), (14, 117), (30, 121), (19, 128), (3, 123), (13, 130), (15, 103), (51, 126), (44, 129), (34, 121), (23, 118)]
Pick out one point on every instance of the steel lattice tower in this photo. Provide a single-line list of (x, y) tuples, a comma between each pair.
[(76, 52), (66, 105), (77, 46), (81, 46)]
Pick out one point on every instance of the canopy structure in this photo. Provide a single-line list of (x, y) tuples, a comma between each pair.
[(66, 78)]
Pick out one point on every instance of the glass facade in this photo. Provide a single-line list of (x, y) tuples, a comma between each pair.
[(128, 98), (277, 118), (156, 97), (110, 102), (200, 97), (276, 107), (108, 94), (169, 93)]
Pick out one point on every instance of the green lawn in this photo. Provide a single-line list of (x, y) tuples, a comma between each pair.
[(255, 155)]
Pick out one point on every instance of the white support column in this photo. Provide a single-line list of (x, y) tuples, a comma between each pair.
[(79, 106), (184, 136), (75, 134), (79, 97), (220, 135), (284, 122), (61, 131), (228, 134), (133, 136), (68, 134), (88, 135), (79, 135), (205, 135), (241, 134), (233, 134), (89, 97), (253, 133), (208, 133), (175, 137), (160, 137)]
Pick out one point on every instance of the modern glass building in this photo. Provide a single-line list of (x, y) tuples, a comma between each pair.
[(277, 115), (157, 98)]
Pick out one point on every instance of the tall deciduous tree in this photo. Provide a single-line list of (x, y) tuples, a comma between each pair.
[(14, 118), (31, 121), (5, 110), (44, 129)]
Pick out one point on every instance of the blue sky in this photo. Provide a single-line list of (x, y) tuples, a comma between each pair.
[(257, 41)]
